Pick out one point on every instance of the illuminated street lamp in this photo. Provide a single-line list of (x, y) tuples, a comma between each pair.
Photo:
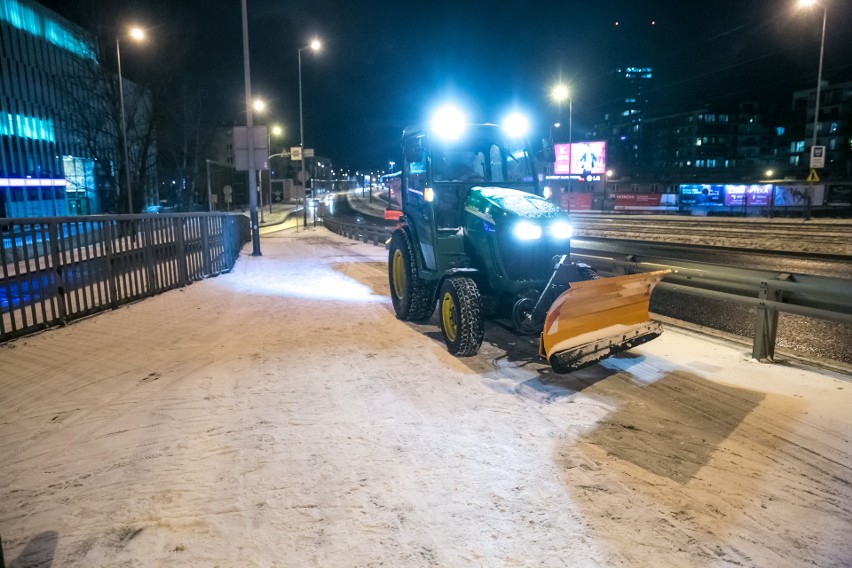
[(808, 4), (314, 45), (136, 34), (559, 93), (259, 105)]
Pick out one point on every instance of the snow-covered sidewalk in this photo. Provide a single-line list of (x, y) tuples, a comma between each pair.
[(280, 415)]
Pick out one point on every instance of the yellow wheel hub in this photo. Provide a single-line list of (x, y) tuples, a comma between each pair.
[(398, 271), (448, 321)]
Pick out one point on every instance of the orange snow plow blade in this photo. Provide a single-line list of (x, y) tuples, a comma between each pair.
[(598, 318)]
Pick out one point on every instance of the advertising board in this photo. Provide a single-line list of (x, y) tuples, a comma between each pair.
[(747, 195), (797, 195), (571, 201), (705, 194), (645, 201), (580, 158)]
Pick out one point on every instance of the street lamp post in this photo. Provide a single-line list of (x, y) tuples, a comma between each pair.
[(314, 45), (808, 3), (559, 93), (138, 35), (252, 181)]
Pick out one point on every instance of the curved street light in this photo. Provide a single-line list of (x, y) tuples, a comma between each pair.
[(137, 34), (315, 45), (808, 4), (559, 93)]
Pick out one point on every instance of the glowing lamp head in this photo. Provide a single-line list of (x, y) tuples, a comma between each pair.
[(526, 231), (807, 3), (259, 105), (516, 125), (315, 44), (277, 130), (448, 123), (559, 93), (137, 34)]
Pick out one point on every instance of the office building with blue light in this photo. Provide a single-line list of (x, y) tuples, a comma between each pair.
[(59, 148)]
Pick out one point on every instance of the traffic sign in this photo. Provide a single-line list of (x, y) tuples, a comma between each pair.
[(817, 157), (303, 176), (309, 152), (257, 139), (813, 177), (228, 191), (296, 153)]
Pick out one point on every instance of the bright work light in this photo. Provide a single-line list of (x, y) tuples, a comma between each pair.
[(448, 123), (561, 230), (526, 231), (516, 125)]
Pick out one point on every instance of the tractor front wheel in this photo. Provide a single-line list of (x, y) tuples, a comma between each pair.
[(413, 297), (461, 316)]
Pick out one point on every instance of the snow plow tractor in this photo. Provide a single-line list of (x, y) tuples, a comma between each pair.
[(477, 240)]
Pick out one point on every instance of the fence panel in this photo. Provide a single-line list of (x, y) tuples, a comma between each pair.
[(57, 269)]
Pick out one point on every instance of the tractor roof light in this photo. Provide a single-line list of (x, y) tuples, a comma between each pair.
[(516, 125), (448, 123)]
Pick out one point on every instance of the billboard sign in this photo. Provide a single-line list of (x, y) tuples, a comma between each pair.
[(748, 194), (711, 195), (797, 195), (571, 201), (580, 158)]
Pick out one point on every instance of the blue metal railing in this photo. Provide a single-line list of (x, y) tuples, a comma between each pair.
[(56, 269)]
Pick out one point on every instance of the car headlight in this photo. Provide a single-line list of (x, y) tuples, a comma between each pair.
[(561, 230), (526, 231)]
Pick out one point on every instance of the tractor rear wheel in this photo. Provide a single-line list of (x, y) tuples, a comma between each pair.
[(413, 297), (461, 316)]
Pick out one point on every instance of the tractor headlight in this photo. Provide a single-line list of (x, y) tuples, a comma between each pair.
[(561, 230), (526, 231)]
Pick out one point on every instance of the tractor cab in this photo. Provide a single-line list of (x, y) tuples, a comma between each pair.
[(439, 170)]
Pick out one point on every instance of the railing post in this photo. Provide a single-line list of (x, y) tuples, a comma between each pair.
[(57, 272), (766, 322), (110, 262), (205, 245), (183, 272), (148, 255)]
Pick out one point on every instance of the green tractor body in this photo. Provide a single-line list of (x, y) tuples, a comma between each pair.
[(477, 238)]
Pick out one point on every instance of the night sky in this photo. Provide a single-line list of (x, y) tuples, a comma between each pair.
[(384, 65)]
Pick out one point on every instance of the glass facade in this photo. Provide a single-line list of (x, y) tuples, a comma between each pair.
[(59, 148)]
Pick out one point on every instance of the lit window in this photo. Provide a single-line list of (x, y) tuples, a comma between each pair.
[(27, 127), (25, 19)]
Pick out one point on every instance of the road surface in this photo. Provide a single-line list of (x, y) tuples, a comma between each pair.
[(280, 415)]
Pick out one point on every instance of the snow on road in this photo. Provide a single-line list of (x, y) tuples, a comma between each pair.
[(280, 415)]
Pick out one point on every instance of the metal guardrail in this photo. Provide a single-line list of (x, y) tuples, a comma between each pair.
[(770, 293), (57, 269), (366, 232)]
